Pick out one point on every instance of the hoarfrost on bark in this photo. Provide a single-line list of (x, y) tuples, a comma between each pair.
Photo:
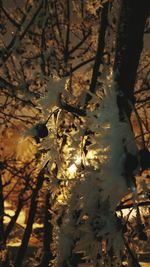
[(94, 191), (52, 98), (103, 183)]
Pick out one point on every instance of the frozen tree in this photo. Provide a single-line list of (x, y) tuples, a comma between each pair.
[(73, 64)]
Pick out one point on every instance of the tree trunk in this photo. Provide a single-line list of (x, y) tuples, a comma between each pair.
[(100, 50), (28, 230), (129, 45), (47, 239), (4, 261), (1, 212), (11, 224)]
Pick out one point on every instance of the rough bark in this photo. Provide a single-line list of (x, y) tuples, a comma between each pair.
[(129, 45)]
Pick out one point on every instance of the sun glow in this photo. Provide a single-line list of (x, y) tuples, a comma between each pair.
[(78, 159), (72, 169)]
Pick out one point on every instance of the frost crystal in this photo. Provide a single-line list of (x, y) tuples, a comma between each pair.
[(102, 184), (54, 89), (92, 169)]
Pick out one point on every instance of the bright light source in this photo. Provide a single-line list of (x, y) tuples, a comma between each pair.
[(72, 170), (78, 160), (91, 154)]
